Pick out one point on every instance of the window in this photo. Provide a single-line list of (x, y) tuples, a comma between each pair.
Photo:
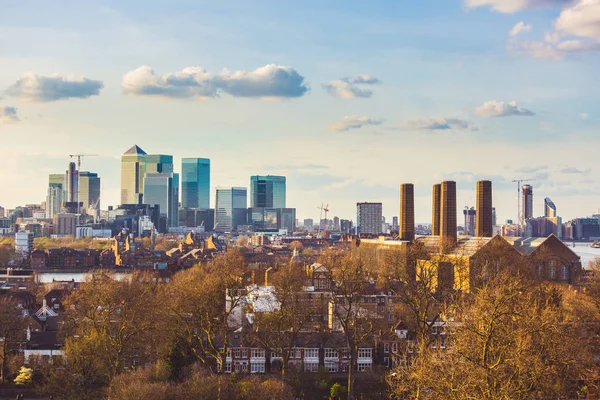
[(394, 347), (386, 347), (331, 353), (240, 366), (332, 366), (365, 353), (296, 353), (386, 361), (311, 366), (390, 317), (311, 353), (257, 368), (275, 354), (228, 367), (237, 352), (346, 352), (564, 272), (434, 330), (540, 270), (363, 366), (443, 341), (552, 270), (390, 309), (257, 353)]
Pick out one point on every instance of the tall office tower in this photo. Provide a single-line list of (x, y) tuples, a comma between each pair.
[(448, 212), (72, 183), (436, 207), (484, 226), (368, 217), (549, 208), (494, 217), (56, 194), (267, 191), (228, 202), (395, 226), (89, 189), (336, 224), (159, 164), (309, 224), (195, 183), (527, 202), (133, 169), (162, 189), (470, 220), (407, 211)]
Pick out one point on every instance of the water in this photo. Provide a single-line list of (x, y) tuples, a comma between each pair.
[(583, 250), (48, 277)]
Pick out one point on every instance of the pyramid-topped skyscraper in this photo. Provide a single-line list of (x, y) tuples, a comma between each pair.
[(133, 169)]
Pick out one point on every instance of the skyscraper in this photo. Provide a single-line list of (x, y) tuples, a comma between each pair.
[(407, 211), (159, 164), (267, 191), (527, 202), (368, 217), (435, 212), (89, 189), (549, 208), (484, 224), (228, 202), (469, 214), (72, 182), (448, 212), (162, 189), (56, 194), (133, 169), (195, 183)]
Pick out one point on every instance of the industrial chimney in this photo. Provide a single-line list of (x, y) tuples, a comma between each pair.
[(483, 226), (407, 211), (435, 213), (448, 213)]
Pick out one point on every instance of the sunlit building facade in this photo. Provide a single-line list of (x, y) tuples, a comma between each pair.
[(133, 169), (268, 191), (195, 183), (230, 207), (162, 189)]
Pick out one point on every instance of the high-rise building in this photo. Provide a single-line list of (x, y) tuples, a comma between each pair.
[(407, 211), (369, 217), (336, 224), (89, 189), (24, 243), (448, 212), (484, 224), (133, 169), (159, 164), (435, 212), (72, 182), (65, 223), (286, 218), (56, 194), (494, 221), (527, 191), (309, 224), (267, 191), (469, 214), (346, 226), (227, 203), (395, 225), (162, 189), (549, 208), (195, 183)]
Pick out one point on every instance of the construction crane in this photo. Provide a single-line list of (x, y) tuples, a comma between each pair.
[(79, 158), (323, 210), (518, 181)]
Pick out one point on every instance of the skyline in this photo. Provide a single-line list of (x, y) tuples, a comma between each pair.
[(373, 96)]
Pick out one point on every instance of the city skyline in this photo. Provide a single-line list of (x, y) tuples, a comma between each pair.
[(368, 83)]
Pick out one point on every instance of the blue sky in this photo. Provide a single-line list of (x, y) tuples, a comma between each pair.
[(348, 99)]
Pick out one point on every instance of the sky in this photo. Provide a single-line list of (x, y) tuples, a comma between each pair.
[(347, 99)]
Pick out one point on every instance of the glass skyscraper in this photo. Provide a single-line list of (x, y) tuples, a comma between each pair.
[(267, 191), (56, 194), (230, 205), (133, 169), (162, 189), (89, 189), (195, 183), (159, 164)]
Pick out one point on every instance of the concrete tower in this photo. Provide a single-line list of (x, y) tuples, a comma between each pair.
[(483, 226), (527, 191), (448, 212), (435, 212), (407, 211)]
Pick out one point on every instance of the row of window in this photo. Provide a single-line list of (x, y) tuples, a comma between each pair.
[(242, 352), (259, 367)]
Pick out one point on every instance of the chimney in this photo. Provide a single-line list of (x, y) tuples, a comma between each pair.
[(435, 214), (448, 212), (483, 226), (407, 211)]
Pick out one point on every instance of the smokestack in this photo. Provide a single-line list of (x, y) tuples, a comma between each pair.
[(483, 227), (407, 211), (435, 213), (448, 212)]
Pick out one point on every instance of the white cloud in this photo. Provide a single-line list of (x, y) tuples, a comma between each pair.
[(352, 122), (8, 115), (495, 108), (519, 28), (434, 124), (512, 6), (270, 81), (584, 115), (574, 170), (44, 88), (349, 88), (582, 19)]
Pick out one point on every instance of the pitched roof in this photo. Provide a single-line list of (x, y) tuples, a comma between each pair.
[(135, 150)]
